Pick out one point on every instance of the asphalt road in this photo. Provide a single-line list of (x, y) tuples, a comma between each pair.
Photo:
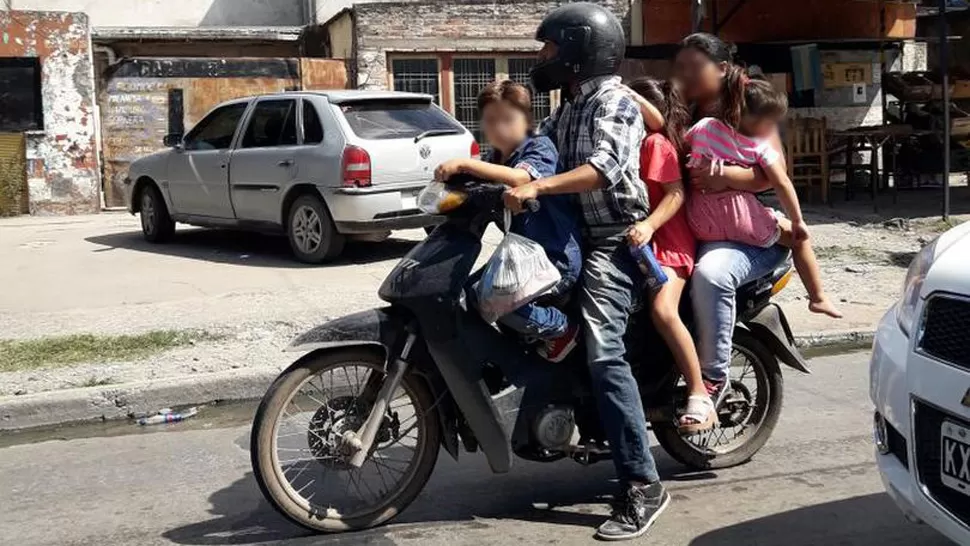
[(814, 483)]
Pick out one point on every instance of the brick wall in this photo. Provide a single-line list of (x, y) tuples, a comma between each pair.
[(471, 25), (62, 165)]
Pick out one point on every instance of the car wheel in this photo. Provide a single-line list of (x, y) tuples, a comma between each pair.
[(156, 223), (313, 237)]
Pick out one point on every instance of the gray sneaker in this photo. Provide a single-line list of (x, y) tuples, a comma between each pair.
[(634, 511)]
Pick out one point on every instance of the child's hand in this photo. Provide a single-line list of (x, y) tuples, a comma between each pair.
[(652, 117), (448, 169), (799, 231), (640, 233)]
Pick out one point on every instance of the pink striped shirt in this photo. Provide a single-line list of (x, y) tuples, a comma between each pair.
[(711, 138), (729, 215)]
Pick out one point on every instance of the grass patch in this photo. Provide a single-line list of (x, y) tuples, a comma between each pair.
[(95, 381), (853, 251), (865, 255), (50, 352)]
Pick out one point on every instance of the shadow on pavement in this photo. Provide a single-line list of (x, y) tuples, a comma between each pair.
[(870, 519), (242, 516), (561, 493), (246, 248)]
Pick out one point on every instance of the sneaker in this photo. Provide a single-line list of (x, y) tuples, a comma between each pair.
[(556, 350), (634, 512)]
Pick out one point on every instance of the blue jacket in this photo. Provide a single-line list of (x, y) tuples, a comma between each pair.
[(555, 225)]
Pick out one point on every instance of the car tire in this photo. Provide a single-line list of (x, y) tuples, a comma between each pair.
[(312, 234), (156, 223)]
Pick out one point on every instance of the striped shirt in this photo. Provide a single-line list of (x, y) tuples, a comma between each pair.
[(601, 126), (712, 139)]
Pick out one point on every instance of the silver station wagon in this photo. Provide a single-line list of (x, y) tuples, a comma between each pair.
[(320, 167)]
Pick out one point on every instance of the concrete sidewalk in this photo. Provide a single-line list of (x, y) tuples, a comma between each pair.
[(95, 274)]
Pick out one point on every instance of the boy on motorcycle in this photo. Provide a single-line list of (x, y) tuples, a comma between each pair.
[(598, 130), (518, 157)]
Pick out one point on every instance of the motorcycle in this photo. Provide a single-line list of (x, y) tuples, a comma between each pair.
[(348, 435)]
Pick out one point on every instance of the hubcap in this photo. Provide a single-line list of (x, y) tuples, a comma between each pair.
[(148, 212), (307, 229)]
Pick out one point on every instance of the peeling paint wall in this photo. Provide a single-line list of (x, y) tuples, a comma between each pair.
[(62, 165)]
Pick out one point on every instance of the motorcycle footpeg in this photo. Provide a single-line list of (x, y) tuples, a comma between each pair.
[(591, 452)]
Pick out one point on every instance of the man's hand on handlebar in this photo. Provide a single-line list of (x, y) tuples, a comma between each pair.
[(517, 199)]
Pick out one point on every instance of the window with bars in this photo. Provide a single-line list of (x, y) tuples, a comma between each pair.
[(471, 75), (519, 72), (417, 76)]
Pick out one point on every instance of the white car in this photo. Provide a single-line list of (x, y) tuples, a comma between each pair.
[(317, 166), (920, 385)]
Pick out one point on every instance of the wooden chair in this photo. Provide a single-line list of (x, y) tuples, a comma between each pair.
[(806, 145)]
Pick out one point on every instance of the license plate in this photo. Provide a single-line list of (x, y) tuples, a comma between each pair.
[(955, 457), (409, 201)]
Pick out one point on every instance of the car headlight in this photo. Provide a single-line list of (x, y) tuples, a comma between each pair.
[(912, 286)]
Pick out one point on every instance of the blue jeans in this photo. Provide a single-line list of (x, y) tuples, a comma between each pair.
[(721, 269), (541, 319), (611, 284)]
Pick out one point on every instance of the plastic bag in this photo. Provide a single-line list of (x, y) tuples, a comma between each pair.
[(517, 273)]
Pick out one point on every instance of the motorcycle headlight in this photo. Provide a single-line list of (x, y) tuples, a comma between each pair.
[(912, 286), (438, 198)]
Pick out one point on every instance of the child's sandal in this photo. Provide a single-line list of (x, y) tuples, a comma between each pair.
[(700, 415)]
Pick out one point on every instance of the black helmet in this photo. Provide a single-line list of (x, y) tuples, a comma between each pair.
[(591, 43)]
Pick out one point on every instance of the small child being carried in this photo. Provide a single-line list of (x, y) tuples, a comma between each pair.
[(751, 112)]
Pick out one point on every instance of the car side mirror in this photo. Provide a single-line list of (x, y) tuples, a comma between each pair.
[(172, 140)]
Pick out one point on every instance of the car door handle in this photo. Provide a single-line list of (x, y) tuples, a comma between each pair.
[(285, 163)]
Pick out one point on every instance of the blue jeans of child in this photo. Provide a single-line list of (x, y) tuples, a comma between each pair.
[(541, 319), (611, 286), (721, 269)]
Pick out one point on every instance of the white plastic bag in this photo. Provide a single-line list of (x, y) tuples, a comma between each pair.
[(517, 273)]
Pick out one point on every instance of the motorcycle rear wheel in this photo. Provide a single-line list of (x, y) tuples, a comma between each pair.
[(695, 451), (333, 416)]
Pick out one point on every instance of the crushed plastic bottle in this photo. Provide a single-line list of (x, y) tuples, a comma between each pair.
[(168, 416)]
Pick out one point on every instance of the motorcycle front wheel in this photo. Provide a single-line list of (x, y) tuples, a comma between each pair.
[(746, 418), (300, 456)]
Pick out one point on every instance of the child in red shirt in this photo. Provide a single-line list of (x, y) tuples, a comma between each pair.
[(672, 240)]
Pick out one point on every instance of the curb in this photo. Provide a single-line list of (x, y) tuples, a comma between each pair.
[(846, 339), (125, 401), (117, 402)]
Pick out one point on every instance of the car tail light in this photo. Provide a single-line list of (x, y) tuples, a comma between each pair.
[(356, 167), (476, 150)]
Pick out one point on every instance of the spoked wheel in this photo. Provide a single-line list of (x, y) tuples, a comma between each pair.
[(302, 461), (747, 417)]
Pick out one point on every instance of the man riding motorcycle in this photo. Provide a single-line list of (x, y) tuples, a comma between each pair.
[(598, 130)]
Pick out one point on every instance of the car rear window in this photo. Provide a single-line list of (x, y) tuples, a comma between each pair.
[(387, 120)]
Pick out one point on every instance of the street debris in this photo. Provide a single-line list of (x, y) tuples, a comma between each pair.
[(166, 415)]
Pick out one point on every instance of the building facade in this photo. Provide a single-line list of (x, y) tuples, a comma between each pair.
[(447, 49), (48, 148)]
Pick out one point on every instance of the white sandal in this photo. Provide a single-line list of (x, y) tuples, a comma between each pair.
[(700, 410)]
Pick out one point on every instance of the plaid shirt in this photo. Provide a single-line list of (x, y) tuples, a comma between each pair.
[(602, 126)]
